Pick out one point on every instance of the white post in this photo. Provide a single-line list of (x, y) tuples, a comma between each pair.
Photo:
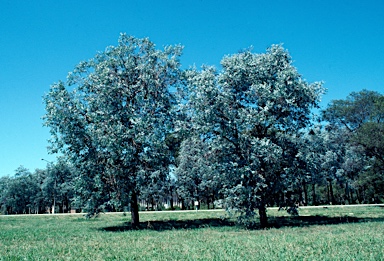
[(196, 205)]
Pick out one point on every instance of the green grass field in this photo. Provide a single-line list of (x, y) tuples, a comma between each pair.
[(353, 233)]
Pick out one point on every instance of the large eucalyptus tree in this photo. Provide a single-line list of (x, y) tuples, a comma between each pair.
[(250, 114), (111, 117)]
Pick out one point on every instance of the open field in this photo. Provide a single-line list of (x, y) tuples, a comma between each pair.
[(339, 233)]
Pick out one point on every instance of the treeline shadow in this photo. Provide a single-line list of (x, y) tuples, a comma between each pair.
[(274, 222), (161, 225), (305, 221)]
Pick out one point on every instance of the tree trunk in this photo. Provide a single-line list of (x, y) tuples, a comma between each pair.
[(305, 194), (331, 192), (347, 194), (314, 201), (134, 210), (363, 196), (263, 216), (171, 203), (359, 194), (352, 199)]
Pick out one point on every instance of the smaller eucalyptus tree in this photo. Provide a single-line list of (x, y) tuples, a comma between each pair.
[(250, 114)]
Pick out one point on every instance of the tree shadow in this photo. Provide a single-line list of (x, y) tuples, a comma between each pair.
[(161, 225), (303, 221), (274, 222)]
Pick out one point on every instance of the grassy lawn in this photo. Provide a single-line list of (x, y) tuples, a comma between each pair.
[(353, 233)]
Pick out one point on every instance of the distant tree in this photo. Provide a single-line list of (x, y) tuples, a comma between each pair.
[(57, 185), (21, 192), (371, 137), (356, 110), (41, 201), (4, 188), (197, 177), (311, 152), (249, 113), (361, 115), (111, 119)]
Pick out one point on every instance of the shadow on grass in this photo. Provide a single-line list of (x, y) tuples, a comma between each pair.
[(274, 222), (161, 225), (301, 221)]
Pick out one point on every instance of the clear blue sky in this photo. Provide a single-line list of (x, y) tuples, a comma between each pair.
[(338, 42)]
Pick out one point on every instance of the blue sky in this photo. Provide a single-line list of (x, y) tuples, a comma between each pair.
[(338, 42)]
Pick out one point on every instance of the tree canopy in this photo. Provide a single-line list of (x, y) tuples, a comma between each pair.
[(250, 114), (111, 118), (134, 125)]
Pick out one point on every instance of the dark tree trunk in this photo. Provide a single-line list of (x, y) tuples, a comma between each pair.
[(347, 194), (281, 200), (263, 216), (134, 210), (305, 189), (331, 192), (358, 195), (351, 196), (362, 195), (314, 200), (171, 203)]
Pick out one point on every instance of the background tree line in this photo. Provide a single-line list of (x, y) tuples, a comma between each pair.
[(133, 126), (47, 190)]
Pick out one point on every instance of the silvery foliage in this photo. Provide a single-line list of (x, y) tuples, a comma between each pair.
[(329, 157), (111, 116), (343, 161), (321, 152), (197, 177), (312, 151), (246, 114)]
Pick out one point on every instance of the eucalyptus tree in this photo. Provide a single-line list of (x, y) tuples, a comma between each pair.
[(21, 192), (311, 152), (4, 188), (332, 158), (248, 114), (57, 184), (357, 109), (361, 116), (111, 117), (353, 166), (197, 177)]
